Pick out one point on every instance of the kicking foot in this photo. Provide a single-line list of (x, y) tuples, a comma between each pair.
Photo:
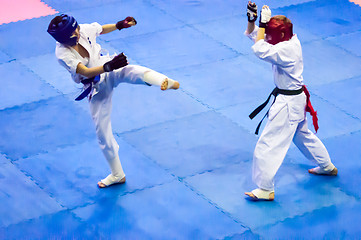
[(320, 171), (169, 84), (110, 180), (261, 195)]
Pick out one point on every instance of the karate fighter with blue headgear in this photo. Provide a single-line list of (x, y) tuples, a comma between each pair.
[(78, 51), (275, 43)]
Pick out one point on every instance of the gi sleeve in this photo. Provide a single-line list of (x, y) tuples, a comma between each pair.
[(252, 35), (93, 30), (279, 54), (69, 61)]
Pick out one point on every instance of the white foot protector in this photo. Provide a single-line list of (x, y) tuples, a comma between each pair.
[(170, 83), (320, 171), (261, 194), (111, 179)]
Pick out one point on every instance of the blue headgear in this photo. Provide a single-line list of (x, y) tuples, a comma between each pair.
[(62, 30)]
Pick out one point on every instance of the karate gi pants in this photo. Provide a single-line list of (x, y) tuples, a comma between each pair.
[(101, 108), (274, 143)]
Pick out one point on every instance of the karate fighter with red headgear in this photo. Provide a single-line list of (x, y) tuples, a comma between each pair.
[(78, 51), (275, 43)]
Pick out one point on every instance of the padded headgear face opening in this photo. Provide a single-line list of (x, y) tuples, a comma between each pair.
[(62, 27), (278, 29)]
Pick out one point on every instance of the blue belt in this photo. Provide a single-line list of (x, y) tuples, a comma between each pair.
[(86, 91)]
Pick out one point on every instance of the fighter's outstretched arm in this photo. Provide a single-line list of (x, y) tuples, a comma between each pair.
[(126, 23)]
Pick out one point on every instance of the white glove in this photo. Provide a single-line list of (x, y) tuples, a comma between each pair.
[(265, 16)]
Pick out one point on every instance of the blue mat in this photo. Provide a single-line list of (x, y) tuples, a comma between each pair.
[(22, 86), (343, 100), (4, 57), (27, 38), (179, 144), (137, 106), (21, 197), (325, 18), (187, 154), (173, 49), (349, 42), (324, 63), (43, 126), (56, 76), (63, 224), (68, 174), (161, 212), (290, 205)]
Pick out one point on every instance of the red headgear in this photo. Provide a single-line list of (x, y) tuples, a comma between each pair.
[(278, 29)]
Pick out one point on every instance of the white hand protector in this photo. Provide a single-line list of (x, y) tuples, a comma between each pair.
[(265, 16)]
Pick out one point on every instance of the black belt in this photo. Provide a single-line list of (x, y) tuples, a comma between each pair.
[(86, 91), (275, 92)]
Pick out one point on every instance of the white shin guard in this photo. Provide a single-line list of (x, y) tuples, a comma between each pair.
[(116, 167)]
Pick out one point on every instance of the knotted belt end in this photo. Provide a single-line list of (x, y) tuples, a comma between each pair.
[(87, 90)]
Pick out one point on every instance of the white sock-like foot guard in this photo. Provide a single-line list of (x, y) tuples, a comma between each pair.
[(111, 179), (331, 170), (260, 194)]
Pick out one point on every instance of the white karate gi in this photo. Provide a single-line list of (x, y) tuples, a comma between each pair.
[(101, 94), (287, 116)]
